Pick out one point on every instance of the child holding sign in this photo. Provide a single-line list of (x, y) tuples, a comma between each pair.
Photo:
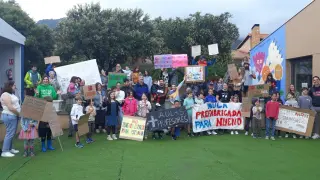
[(292, 102), (76, 113), (28, 133), (92, 111)]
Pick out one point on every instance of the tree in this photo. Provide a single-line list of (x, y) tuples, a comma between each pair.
[(39, 39), (110, 36)]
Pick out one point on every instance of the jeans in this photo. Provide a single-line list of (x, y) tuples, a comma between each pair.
[(316, 120), (271, 123), (256, 126), (11, 123)]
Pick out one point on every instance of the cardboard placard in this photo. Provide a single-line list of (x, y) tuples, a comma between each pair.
[(113, 78), (83, 127), (246, 106), (217, 116), (196, 51), (194, 74), (35, 108), (89, 91), (52, 59), (213, 49), (233, 73), (261, 90), (132, 128), (295, 120), (159, 120), (54, 124)]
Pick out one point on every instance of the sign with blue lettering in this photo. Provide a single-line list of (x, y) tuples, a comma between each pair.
[(159, 120), (211, 116)]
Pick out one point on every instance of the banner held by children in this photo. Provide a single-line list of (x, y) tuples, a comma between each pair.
[(295, 120), (114, 78), (217, 116), (179, 60), (159, 120), (132, 128), (162, 61), (194, 74), (86, 70), (89, 91)]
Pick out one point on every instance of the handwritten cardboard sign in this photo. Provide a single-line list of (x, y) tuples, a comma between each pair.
[(133, 128), (54, 124), (162, 61), (233, 73), (89, 91), (194, 74), (246, 107), (52, 59), (114, 78), (179, 60), (35, 108), (295, 120), (83, 127), (261, 90)]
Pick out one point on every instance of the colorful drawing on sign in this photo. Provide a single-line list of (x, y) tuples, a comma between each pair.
[(132, 128), (217, 116), (269, 57), (89, 92), (113, 78), (163, 61), (195, 74), (179, 60)]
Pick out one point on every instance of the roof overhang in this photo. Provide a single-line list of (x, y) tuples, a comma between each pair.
[(8, 32)]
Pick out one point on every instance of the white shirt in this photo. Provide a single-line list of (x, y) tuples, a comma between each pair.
[(120, 96), (76, 113), (14, 102)]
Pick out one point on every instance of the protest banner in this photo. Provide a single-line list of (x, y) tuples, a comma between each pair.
[(246, 107), (83, 127), (179, 60), (89, 91), (86, 70), (196, 51), (159, 120), (114, 78), (162, 61), (211, 116), (54, 124), (194, 74), (52, 59), (213, 49), (132, 128), (295, 120), (35, 108), (261, 90), (233, 73)]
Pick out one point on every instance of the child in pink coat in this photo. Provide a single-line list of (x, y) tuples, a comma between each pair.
[(130, 105)]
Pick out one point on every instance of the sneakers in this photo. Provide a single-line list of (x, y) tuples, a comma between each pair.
[(246, 134), (109, 138), (209, 133), (97, 131), (315, 136), (251, 134), (301, 137), (236, 132), (294, 136), (79, 145), (232, 133), (267, 137), (307, 137), (114, 137), (88, 141), (280, 136), (32, 154), (157, 104), (25, 154), (272, 138), (254, 137), (287, 135), (7, 154), (214, 132), (13, 151), (174, 138), (104, 131)]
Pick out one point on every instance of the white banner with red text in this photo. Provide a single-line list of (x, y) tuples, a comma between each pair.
[(212, 116)]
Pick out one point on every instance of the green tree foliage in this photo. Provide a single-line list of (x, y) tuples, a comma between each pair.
[(39, 39)]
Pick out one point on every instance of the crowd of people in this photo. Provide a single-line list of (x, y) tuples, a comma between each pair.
[(137, 96)]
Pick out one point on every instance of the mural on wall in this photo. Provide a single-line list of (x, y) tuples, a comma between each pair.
[(269, 57)]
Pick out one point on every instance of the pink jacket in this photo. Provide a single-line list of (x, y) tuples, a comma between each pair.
[(72, 88), (130, 107)]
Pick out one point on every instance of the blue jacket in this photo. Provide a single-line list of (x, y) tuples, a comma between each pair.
[(209, 63), (210, 98), (139, 90), (48, 69)]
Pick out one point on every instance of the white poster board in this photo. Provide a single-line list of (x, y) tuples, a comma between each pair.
[(87, 70), (213, 49), (196, 51)]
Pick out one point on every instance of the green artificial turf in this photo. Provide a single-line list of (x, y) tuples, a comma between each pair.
[(206, 157)]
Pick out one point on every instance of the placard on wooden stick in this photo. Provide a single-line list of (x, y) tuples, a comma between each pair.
[(89, 91), (232, 70), (34, 108), (295, 120), (52, 59), (83, 127)]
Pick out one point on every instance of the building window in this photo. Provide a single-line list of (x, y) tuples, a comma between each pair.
[(301, 72)]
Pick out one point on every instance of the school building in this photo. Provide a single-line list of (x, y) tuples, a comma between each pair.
[(292, 52)]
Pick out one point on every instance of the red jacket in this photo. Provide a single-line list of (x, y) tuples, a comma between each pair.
[(272, 109), (130, 107)]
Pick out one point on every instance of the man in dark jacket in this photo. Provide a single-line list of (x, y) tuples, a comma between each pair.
[(140, 88), (314, 93), (126, 88)]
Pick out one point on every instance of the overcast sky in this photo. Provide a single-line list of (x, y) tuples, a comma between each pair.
[(270, 14)]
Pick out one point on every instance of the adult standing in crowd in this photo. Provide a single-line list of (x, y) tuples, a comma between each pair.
[(161, 93), (135, 75), (293, 92), (53, 80), (70, 100), (32, 79), (247, 78), (118, 69), (224, 95), (10, 114), (100, 111), (164, 75), (140, 88), (104, 80), (49, 68), (219, 85), (147, 79), (314, 93), (174, 77), (126, 88)]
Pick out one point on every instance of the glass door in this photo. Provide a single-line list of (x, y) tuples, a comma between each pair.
[(301, 72)]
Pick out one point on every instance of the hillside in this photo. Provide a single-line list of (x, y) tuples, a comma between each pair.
[(51, 23)]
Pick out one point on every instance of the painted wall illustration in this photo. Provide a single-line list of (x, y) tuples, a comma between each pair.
[(270, 56)]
